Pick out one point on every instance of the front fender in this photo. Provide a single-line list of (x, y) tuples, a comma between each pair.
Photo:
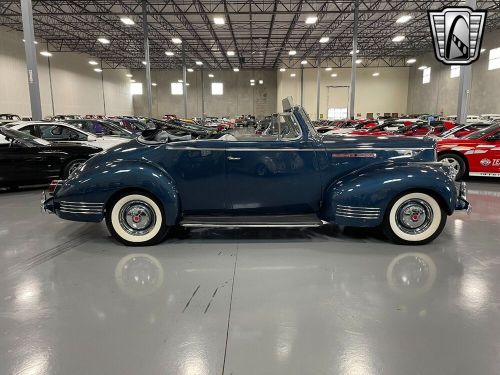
[(96, 184), (361, 197)]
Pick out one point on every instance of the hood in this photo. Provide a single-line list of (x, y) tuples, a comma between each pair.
[(75, 146), (384, 142), (450, 142)]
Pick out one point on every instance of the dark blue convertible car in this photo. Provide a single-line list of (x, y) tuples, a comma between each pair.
[(291, 177)]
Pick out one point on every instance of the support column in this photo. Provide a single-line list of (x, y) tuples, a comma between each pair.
[(318, 83), (202, 98), (31, 65), (50, 84), (102, 88), (302, 85), (465, 83), (184, 78), (145, 30), (354, 58)]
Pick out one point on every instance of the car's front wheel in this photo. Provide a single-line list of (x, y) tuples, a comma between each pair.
[(456, 163), (136, 219), (414, 219)]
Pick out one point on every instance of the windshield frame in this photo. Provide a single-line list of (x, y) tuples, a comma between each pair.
[(24, 138), (481, 132)]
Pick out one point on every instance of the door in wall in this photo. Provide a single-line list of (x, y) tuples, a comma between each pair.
[(337, 102)]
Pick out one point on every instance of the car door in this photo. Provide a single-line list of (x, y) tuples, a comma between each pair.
[(20, 164), (485, 158), (273, 173)]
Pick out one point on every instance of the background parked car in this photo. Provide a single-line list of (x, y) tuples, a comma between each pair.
[(26, 160)]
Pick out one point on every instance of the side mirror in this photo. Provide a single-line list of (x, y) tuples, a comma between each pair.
[(91, 138)]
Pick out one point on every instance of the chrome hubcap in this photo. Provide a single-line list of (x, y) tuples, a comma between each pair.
[(74, 167), (414, 216), (137, 218), (453, 164)]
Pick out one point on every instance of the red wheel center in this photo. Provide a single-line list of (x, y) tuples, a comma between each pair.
[(415, 217), (136, 218)]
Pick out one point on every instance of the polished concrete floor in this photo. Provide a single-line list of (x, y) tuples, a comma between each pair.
[(323, 301)]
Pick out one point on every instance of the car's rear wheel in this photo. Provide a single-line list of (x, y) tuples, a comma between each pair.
[(414, 219), (456, 163), (72, 166), (136, 219)]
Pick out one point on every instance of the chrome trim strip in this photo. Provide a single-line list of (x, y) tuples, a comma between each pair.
[(364, 213), (358, 208), (242, 149), (208, 225), (81, 212), (81, 203), (358, 216)]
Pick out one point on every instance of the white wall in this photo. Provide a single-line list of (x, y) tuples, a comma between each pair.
[(77, 89), (386, 93), (440, 95), (238, 98)]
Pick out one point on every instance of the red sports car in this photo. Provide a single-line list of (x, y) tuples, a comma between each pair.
[(477, 154), (416, 129)]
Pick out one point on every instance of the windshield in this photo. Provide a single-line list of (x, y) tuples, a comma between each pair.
[(478, 134), (23, 138)]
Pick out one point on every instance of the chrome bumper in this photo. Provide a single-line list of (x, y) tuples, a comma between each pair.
[(462, 202), (46, 204)]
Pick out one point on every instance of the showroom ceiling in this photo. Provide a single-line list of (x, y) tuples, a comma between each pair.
[(250, 34)]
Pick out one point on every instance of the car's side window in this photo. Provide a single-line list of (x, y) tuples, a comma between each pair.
[(51, 131), (30, 129), (281, 127)]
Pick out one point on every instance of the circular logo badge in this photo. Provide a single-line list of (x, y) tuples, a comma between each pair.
[(485, 162)]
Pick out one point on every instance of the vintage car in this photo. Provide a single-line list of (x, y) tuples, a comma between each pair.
[(25, 159), (476, 154), (295, 178)]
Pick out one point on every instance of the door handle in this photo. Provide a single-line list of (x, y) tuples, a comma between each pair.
[(233, 158)]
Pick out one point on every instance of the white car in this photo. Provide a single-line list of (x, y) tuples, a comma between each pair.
[(470, 118), (61, 132)]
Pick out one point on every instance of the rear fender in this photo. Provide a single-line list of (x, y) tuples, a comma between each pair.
[(361, 197), (102, 183)]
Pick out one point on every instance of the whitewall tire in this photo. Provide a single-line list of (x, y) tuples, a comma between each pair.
[(136, 219), (414, 219)]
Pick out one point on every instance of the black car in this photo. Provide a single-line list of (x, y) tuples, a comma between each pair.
[(26, 160)]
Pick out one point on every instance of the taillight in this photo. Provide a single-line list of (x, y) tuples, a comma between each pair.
[(53, 186)]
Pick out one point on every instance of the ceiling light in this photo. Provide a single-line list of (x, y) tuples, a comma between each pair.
[(45, 53), (357, 51), (34, 42), (376, 74), (187, 83), (422, 67), (252, 83), (219, 20), (328, 69), (333, 75), (311, 20), (132, 80), (411, 61), (324, 39), (98, 70), (199, 63), (483, 49), (103, 40), (190, 70), (403, 19), (398, 38), (236, 69), (292, 75), (169, 53), (176, 40), (154, 84), (129, 75), (211, 76), (358, 61), (252, 80), (179, 80), (144, 63), (292, 52), (127, 21), (230, 53), (282, 70), (303, 62), (261, 81)]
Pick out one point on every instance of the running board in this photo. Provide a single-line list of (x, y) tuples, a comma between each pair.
[(285, 221)]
